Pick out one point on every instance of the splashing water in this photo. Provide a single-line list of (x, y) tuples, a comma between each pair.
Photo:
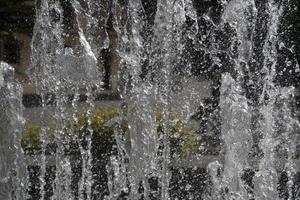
[(13, 177), (156, 72)]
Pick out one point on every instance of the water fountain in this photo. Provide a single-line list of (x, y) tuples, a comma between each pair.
[(13, 173), (156, 43)]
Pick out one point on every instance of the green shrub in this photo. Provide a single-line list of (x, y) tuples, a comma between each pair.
[(31, 138), (182, 138)]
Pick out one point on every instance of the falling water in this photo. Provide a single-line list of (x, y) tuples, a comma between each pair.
[(235, 109), (57, 71), (236, 136), (267, 171), (13, 179), (236, 112), (154, 67), (46, 74), (141, 115), (151, 93)]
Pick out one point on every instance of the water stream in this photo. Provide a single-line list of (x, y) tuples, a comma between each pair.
[(158, 47)]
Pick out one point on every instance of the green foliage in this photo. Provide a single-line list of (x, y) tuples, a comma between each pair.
[(183, 139), (99, 121), (31, 138)]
